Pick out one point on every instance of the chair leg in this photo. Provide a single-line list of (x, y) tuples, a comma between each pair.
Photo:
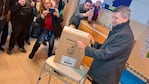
[(49, 79), (83, 80), (41, 75)]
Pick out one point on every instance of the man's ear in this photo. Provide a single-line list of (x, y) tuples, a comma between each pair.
[(126, 19)]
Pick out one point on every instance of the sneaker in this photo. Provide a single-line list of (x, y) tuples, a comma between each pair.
[(22, 49), (1, 48), (9, 51)]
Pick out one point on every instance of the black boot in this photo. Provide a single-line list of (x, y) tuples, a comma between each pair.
[(50, 50), (35, 48), (1, 48)]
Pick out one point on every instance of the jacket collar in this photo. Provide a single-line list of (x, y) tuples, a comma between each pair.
[(120, 26)]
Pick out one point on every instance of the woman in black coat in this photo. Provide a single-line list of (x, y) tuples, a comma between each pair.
[(48, 21)]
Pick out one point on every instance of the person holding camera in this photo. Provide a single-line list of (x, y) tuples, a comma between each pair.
[(82, 12), (48, 21)]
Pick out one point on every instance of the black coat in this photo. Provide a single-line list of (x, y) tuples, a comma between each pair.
[(56, 24), (21, 14), (110, 57), (7, 7)]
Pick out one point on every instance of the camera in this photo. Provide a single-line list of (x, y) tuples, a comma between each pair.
[(51, 10)]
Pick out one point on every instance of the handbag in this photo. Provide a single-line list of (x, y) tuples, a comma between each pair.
[(35, 30)]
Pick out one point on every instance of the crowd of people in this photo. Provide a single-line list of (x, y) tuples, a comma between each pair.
[(109, 57), (20, 13)]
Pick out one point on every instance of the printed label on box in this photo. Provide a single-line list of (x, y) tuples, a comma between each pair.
[(66, 60)]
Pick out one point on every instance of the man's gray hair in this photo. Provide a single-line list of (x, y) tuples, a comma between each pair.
[(124, 10)]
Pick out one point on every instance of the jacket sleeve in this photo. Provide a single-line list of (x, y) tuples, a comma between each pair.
[(77, 12), (15, 7), (57, 26), (96, 45), (111, 49), (39, 20)]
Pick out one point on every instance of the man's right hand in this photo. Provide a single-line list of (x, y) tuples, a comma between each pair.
[(91, 39), (87, 14)]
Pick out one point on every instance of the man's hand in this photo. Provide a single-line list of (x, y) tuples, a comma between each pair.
[(91, 39), (81, 44), (87, 14)]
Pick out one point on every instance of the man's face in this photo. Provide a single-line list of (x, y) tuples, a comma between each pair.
[(97, 4), (118, 19), (87, 6)]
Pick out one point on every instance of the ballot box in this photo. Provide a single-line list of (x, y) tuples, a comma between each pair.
[(67, 52)]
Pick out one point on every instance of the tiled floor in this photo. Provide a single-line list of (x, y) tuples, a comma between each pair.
[(19, 69)]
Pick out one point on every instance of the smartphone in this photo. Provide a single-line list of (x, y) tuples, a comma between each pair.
[(91, 9), (51, 10)]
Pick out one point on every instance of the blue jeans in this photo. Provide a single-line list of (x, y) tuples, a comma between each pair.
[(41, 37), (51, 43)]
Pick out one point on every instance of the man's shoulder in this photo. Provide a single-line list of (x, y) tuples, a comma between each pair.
[(80, 5)]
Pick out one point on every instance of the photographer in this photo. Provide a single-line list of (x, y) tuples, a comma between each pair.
[(81, 12), (48, 21)]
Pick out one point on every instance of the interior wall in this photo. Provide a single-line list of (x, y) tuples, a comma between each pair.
[(69, 10), (138, 62), (139, 11)]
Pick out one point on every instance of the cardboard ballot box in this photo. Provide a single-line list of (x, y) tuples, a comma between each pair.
[(67, 52)]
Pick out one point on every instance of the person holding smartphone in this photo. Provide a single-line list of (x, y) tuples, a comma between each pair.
[(82, 12), (48, 21)]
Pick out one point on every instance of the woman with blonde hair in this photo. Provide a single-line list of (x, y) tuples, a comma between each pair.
[(48, 21)]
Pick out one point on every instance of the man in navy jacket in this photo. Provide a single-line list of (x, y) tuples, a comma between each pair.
[(111, 56)]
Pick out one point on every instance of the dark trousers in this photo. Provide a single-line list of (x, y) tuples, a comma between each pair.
[(51, 43), (42, 35), (18, 34), (4, 34), (94, 82), (27, 32), (38, 42)]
